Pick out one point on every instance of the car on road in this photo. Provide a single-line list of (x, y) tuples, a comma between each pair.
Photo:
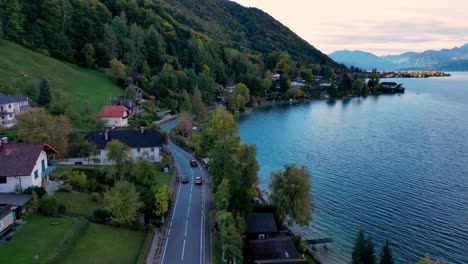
[(193, 163), (198, 180), (185, 178)]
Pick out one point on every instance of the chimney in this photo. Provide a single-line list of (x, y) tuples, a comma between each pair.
[(142, 129), (106, 135)]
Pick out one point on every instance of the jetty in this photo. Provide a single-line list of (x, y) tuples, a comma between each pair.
[(323, 241)]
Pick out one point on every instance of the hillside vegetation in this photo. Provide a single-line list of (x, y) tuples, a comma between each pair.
[(75, 83)]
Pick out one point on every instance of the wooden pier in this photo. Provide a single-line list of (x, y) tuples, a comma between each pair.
[(323, 241)]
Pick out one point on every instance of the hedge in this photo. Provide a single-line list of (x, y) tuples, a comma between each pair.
[(146, 246), (69, 242)]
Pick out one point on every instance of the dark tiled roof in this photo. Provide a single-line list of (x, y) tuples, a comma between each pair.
[(19, 98), (4, 99), (273, 249), (14, 199), (261, 223), (131, 138), (18, 159)]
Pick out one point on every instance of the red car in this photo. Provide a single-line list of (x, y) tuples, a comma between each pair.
[(193, 163)]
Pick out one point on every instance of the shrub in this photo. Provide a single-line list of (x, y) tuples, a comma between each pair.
[(61, 208), (48, 205), (101, 214), (40, 191), (95, 197), (65, 188), (78, 180)]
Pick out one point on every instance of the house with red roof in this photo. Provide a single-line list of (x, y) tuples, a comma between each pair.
[(24, 165), (114, 116)]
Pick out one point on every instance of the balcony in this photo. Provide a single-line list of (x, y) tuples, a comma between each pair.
[(51, 168)]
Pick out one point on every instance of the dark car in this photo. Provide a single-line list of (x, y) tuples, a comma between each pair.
[(193, 163), (198, 180), (185, 178)]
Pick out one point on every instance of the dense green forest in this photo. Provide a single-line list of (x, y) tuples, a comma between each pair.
[(173, 44)]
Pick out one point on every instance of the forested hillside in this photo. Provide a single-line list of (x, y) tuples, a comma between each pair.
[(177, 46)]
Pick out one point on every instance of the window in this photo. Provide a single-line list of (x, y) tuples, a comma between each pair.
[(138, 150), (36, 174), (9, 106), (3, 180), (43, 165), (97, 152), (152, 149)]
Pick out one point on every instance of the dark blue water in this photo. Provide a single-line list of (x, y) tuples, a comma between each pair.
[(396, 165)]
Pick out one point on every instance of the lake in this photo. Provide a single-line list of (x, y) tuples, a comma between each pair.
[(396, 165)]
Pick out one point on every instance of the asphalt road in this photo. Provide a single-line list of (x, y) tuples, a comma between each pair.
[(189, 238)]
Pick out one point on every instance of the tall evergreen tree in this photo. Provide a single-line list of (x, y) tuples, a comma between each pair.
[(44, 92), (369, 257), (386, 255), (363, 250)]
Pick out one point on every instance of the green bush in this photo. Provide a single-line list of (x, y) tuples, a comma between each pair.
[(40, 191), (61, 208), (48, 205), (66, 188), (95, 197), (101, 214), (78, 180), (69, 243)]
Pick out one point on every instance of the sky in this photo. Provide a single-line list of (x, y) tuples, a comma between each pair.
[(381, 27)]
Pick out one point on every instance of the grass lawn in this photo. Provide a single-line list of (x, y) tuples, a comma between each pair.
[(77, 83), (163, 179), (37, 237), (105, 244), (77, 203)]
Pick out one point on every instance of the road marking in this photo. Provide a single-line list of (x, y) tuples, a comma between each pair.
[(188, 211), (183, 251), (202, 226), (186, 225)]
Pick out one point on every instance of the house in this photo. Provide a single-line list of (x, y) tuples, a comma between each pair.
[(230, 88), (10, 107), (6, 218), (261, 226), (142, 143), (114, 116), (132, 107), (297, 83), (24, 165), (275, 76), (390, 85), (16, 203), (277, 250), (139, 93), (325, 84)]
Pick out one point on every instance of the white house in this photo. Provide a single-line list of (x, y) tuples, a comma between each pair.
[(142, 143), (114, 116), (10, 107), (24, 165), (6, 218)]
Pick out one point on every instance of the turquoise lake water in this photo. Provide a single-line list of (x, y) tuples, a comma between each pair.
[(396, 165)]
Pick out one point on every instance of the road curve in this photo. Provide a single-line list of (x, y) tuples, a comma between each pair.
[(188, 237)]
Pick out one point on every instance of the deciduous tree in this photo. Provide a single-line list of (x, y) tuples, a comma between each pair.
[(161, 201), (231, 238), (291, 194), (123, 202), (117, 70), (88, 55)]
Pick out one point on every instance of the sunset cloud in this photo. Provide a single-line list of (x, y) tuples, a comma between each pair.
[(381, 27)]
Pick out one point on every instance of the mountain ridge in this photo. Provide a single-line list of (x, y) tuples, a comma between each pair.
[(444, 59)]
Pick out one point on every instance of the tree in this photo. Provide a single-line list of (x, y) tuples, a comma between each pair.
[(291, 194), (53, 130), (230, 236), (120, 154), (117, 70), (143, 172), (130, 93), (48, 205), (44, 92), (386, 256), (427, 260), (123, 202), (88, 55), (363, 250), (185, 124), (222, 195), (221, 126), (198, 107), (78, 179), (161, 201)]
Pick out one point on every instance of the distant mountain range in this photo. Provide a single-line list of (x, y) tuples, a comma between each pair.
[(455, 59)]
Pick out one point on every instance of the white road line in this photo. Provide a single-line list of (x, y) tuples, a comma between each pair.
[(183, 251), (173, 213), (188, 212), (202, 225), (186, 226)]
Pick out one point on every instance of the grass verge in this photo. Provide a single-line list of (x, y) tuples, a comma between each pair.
[(77, 203)]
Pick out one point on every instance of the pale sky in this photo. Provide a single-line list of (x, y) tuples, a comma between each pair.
[(380, 27)]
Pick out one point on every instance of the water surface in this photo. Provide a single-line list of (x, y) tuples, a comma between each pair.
[(396, 165)]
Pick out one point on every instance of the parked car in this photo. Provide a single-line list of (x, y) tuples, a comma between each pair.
[(198, 180), (193, 163), (185, 178)]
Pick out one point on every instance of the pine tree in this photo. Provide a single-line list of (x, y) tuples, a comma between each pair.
[(369, 256), (44, 92), (386, 255), (359, 247)]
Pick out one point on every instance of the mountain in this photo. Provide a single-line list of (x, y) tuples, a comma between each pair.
[(243, 27), (445, 59), (361, 59)]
